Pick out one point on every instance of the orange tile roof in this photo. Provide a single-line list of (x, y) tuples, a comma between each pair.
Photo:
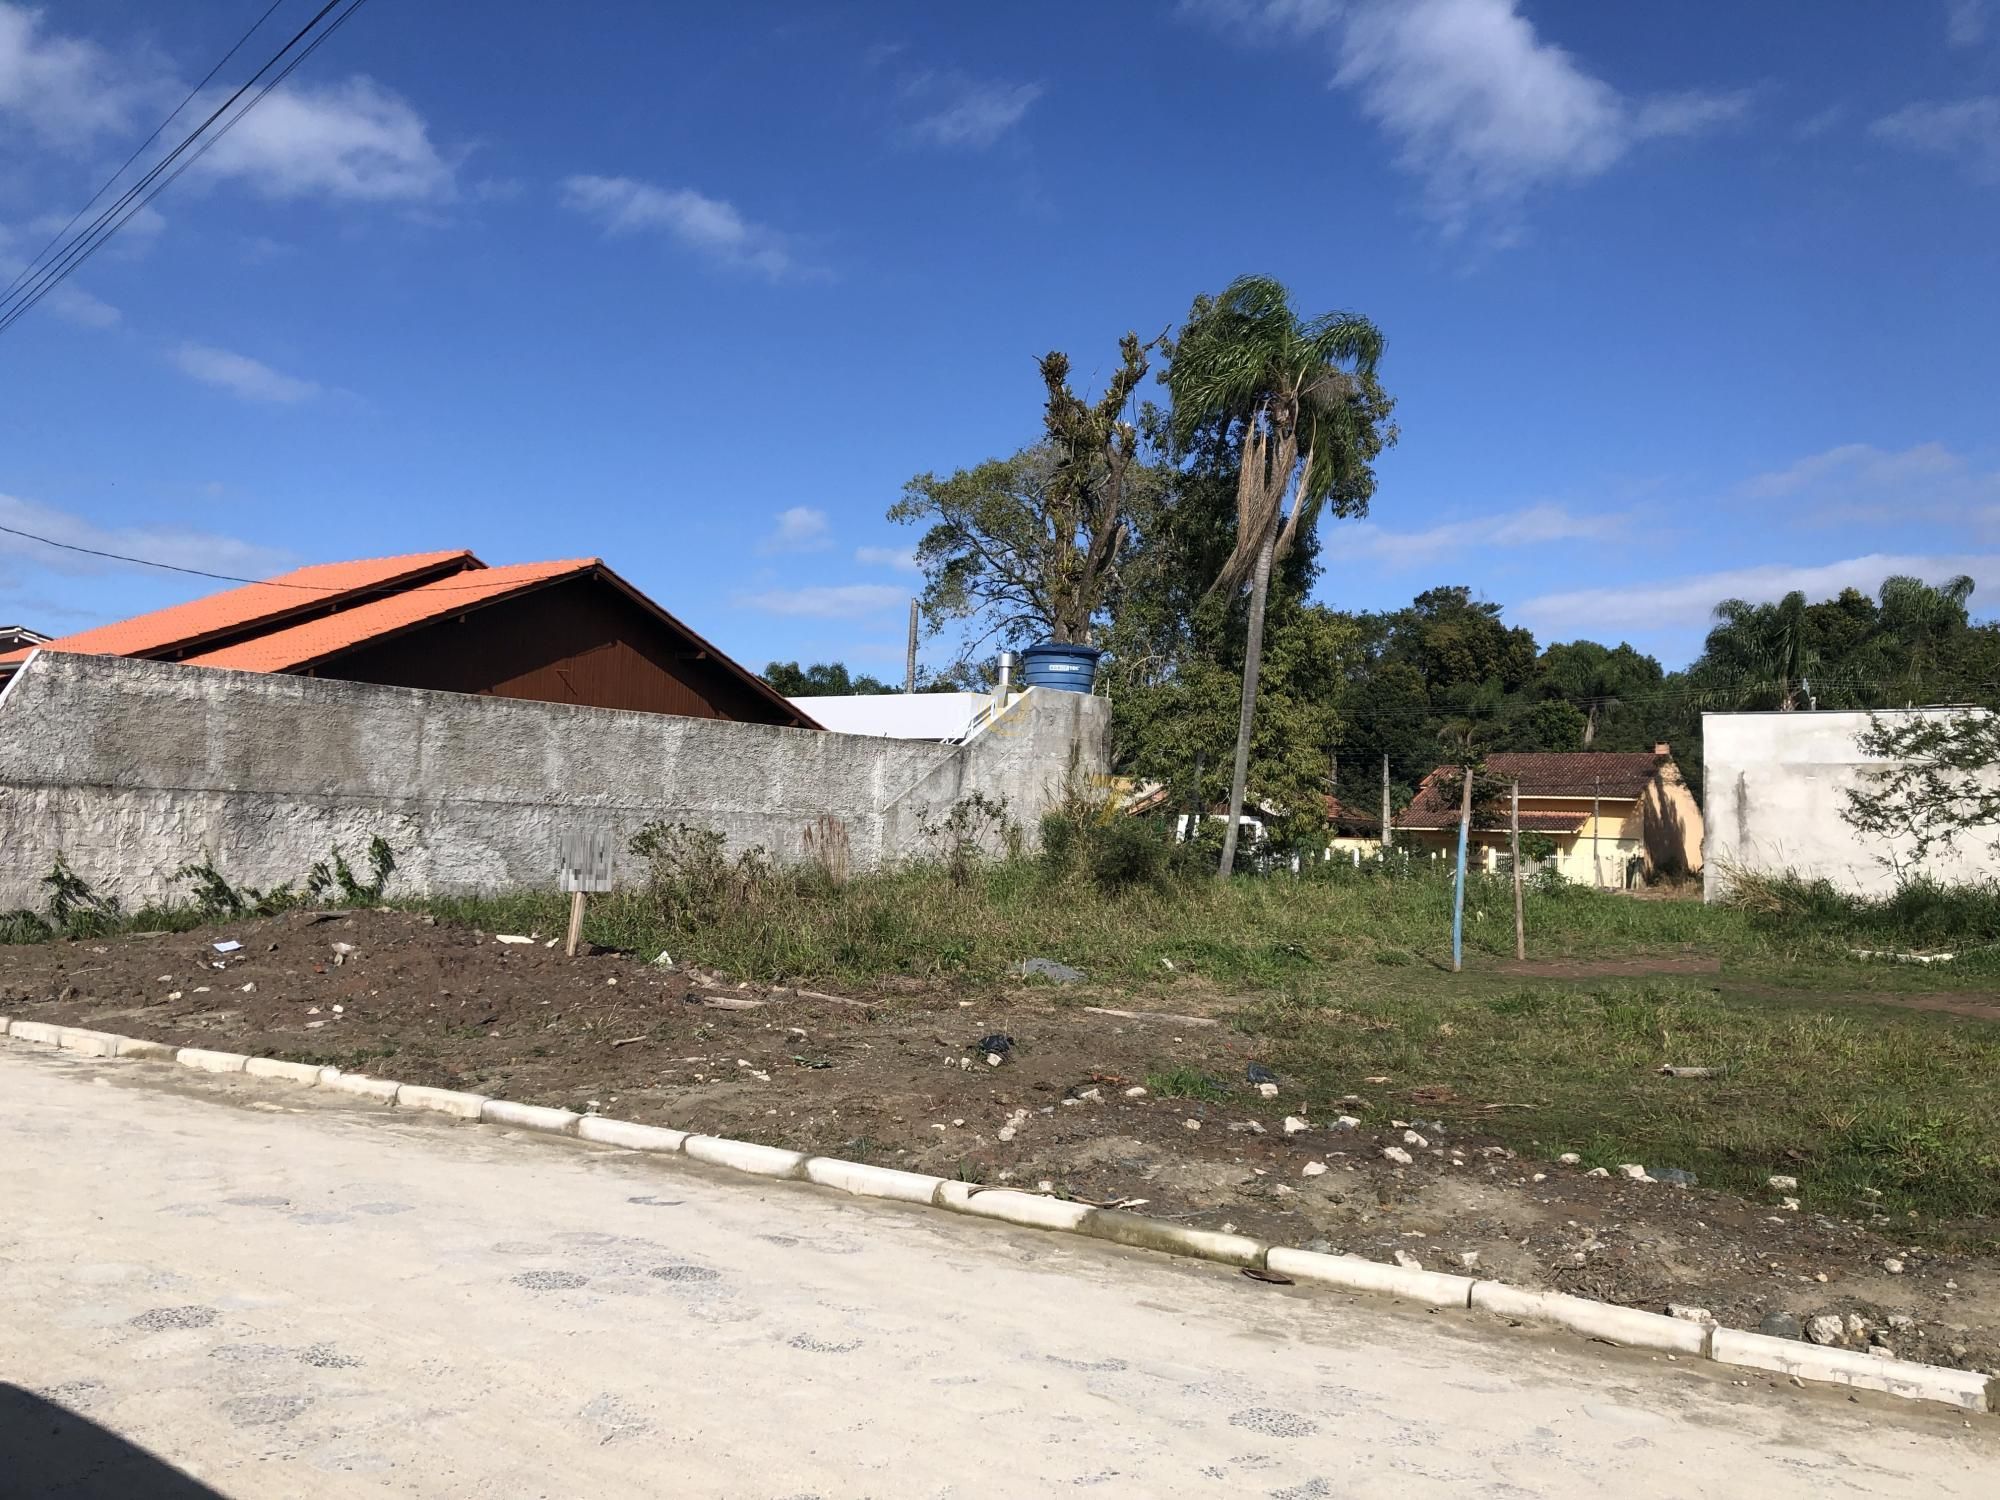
[(314, 640), (251, 605)]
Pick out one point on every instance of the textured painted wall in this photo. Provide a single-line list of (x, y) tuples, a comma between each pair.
[(1776, 786), (131, 769)]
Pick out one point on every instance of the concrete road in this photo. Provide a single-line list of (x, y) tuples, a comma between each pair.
[(285, 1295)]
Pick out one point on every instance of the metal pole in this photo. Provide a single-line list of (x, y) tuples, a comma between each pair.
[(1458, 892), (1514, 836), (1596, 863), (910, 657), (1385, 806)]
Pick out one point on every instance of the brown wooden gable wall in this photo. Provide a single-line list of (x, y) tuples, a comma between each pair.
[(580, 641)]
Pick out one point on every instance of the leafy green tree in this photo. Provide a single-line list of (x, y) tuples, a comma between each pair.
[(1938, 786), (1299, 400), (1598, 680), (1028, 548), (821, 680)]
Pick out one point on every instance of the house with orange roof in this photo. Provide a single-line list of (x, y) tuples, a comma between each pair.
[(555, 632)]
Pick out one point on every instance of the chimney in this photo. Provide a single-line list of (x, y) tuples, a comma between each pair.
[(1663, 749)]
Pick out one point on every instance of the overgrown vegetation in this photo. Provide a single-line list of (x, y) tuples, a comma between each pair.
[(75, 908), (1920, 913)]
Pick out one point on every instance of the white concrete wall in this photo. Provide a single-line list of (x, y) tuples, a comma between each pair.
[(131, 769), (1776, 786)]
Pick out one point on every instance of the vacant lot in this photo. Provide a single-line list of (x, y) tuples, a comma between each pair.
[(849, 1020)]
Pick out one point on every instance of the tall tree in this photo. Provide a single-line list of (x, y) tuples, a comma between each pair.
[(1028, 547), (1597, 679), (1299, 399)]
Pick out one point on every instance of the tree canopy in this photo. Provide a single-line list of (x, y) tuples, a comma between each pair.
[(823, 679)]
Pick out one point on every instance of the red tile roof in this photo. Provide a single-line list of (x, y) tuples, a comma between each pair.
[(302, 590), (1579, 773), (1615, 776), (315, 640)]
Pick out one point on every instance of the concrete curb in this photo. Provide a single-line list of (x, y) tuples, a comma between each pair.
[(1626, 1326)]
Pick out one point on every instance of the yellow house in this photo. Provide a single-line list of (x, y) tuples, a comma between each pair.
[(1618, 819)]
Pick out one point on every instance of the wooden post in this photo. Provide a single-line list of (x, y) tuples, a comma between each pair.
[(1458, 892), (1514, 838), (910, 655), (575, 923), (1596, 863), (1385, 806)]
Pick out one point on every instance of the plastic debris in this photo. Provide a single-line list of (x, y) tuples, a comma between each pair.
[(511, 937), (228, 945)]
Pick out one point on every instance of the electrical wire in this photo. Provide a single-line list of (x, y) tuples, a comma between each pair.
[(135, 198), (138, 150)]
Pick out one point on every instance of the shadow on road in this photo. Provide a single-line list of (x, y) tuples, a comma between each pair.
[(48, 1452)]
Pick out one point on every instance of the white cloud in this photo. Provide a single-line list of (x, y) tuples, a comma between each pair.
[(1678, 604), (241, 375), (353, 140), (902, 559), (1965, 22), (1817, 124), (1858, 464), (179, 546), (1967, 130), (1858, 482), (1533, 526), (799, 529), (846, 601), (969, 112), (711, 227), (1480, 107), (66, 92), (1688, 113), (71, 302)]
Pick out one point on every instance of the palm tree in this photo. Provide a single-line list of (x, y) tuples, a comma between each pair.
[(1922, 619), (1299, 397), (1761, 643)]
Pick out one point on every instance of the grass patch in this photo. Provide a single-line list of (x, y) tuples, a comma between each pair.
[(1251, 932), (1185, 1083), (1852, 1102)]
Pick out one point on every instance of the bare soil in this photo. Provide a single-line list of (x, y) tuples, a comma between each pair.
[(901, 1076)]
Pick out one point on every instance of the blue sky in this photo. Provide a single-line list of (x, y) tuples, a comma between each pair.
[(1681, 301)]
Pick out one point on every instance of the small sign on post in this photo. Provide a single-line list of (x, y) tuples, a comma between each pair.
[(584, 863)]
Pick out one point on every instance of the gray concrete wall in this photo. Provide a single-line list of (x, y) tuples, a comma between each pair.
[(1776, 786), (131, 769)]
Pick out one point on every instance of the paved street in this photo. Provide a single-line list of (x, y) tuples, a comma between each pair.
[(284, 1295)]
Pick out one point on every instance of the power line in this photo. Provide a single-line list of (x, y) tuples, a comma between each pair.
[(138, 150), (267, 583), (87, 243)]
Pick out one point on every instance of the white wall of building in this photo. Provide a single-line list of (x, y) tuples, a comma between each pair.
[(1776, 786)]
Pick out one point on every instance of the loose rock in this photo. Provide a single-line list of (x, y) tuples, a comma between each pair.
[(1408, 1261), (1780, 1325), (1049, 969), (1294, 1125), (1783, 1184), (1825, 1329), (1397, 1155), (1314, 1169)]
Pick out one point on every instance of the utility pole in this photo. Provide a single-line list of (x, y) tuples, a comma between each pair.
[(1386, 836), (1458, 891), (1514, 838), (1596, 863), (910, 656)]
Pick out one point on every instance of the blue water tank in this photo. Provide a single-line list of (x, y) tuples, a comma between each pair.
[(1060, 665)]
